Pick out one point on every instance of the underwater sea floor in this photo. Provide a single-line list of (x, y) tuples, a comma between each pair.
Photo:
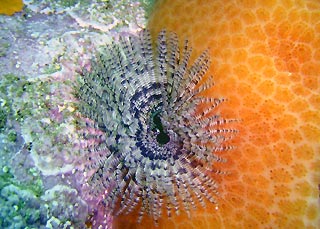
[(41, 50)]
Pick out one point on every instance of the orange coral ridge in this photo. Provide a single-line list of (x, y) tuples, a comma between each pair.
[(9, 7), (265, 60)]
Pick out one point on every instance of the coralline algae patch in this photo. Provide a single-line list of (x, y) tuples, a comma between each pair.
[(266, 62)]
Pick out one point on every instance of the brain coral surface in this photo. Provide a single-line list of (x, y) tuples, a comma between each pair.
[(265, 59)]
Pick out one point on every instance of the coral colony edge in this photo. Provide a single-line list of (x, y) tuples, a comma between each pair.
[(152, 136)]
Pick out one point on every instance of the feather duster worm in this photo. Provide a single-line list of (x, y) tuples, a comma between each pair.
[(158, 147)]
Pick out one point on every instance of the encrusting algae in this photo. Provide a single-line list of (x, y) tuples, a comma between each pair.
[(265, 59)]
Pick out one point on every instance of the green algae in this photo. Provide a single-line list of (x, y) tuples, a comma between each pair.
[(12, 136), (21, 98), (3, 118), (44, 117), (35, 185), (148, 6)]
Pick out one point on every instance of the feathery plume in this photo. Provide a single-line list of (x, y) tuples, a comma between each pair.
[(156, 147)]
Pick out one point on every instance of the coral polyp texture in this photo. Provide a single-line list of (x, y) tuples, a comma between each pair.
[(265, 59), (157, 135)]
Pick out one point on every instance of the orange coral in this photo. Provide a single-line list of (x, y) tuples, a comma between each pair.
[(266, 60), (10, 7)]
